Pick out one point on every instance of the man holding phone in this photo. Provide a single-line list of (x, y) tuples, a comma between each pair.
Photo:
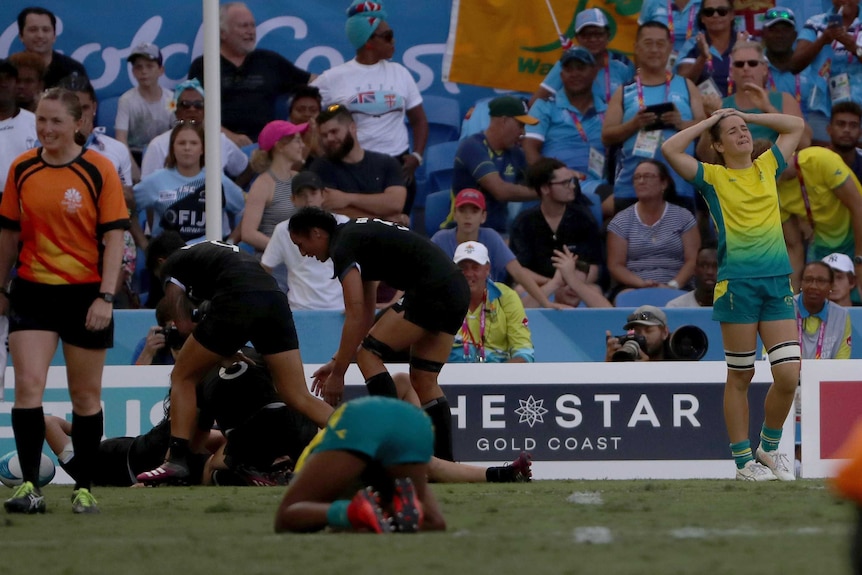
[(830, 41)]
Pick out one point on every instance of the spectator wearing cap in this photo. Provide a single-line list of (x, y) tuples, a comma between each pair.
[(469, 216), (828, 43), (31, 79), (650, 323), (37, 30), (188, 105), (593, 33), (570, 124), (359, 182), (252, 79), (629, 114), (824, 326), (495, 329), (310, 283), (17, 126), (269, 200), (822, 198), (493, 162), (143, 112), (808, 87), (562, 218), (681, 21), (844, 288), (844, 130), (380, 93)]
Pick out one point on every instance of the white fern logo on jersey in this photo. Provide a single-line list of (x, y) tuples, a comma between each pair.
[(72, 200)]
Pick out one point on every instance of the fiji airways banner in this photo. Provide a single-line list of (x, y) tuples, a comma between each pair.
[(513, 45)]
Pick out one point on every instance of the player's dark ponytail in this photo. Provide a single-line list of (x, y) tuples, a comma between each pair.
[(310, 217)]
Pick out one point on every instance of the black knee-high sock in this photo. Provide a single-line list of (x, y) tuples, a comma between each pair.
[(381, 384), (179, 448), (29, 428), (441, 416), (86, 436)]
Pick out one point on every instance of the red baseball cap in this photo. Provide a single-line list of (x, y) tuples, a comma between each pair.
[(470, 196)]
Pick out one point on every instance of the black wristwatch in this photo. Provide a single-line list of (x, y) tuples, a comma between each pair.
[(857, 259), (108, 297)]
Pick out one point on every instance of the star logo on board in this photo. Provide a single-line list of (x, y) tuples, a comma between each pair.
[(531, 411)]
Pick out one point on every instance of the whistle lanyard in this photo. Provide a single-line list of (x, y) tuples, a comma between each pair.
[(670, 25), (818, 349), (640, 88), (797, 90), (468, 335)]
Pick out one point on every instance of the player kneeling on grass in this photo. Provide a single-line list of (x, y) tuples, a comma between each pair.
[(381, 442)]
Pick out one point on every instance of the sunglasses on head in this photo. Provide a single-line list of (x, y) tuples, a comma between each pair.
[(749, 63), (334, 107), (774, 13), (643, 316), (386, 36), (186, 123), (721, 11), (188, 104)]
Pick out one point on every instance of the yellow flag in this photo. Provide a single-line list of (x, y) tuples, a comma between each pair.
[(512, 44)]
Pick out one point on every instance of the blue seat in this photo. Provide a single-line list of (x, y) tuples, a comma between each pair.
[(439, 165), (476, 119), (444, 119), (437, 208), (657, 296), (247, 150), (106, 114)]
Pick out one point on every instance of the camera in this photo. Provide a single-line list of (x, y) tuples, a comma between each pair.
[(632, 344), (688, 343), (173, 338)]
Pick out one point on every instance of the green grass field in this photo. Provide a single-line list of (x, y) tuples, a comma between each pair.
[(590, 527)]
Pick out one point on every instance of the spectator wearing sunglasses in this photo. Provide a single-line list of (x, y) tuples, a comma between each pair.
[(752, 95), (188, 103), (829, 43), (380, 93), (707, 56)]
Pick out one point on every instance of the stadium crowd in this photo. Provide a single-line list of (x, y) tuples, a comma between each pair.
[(560, 199)]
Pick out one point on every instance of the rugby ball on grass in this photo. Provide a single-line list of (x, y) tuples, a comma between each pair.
[(10, 470)]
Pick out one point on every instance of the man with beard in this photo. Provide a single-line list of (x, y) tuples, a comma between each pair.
[(844, 131), (359, 183)]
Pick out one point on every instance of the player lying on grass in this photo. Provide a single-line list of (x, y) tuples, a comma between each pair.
[(380, 443)]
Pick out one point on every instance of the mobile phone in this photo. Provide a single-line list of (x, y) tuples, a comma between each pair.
[(834, 20), (580, 264)]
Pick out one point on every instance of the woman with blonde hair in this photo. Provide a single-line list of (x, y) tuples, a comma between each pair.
[(269, 202)]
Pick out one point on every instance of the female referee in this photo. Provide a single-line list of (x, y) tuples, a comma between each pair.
[(753, 294), (436, 296)]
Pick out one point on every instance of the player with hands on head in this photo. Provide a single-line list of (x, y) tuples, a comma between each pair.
[(436, 297), (753, 295)]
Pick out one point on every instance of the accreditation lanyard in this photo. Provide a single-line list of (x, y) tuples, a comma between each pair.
[(798, 88), (640, 88), (480, 344), (818, 349), (670, 25), (804, 192), (580, 126), (608, 79)]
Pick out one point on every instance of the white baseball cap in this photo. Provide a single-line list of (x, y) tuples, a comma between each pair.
[(473, 251), (840, 263)]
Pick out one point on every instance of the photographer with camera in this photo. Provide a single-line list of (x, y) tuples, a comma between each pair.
[(649, 339), (162, 342)]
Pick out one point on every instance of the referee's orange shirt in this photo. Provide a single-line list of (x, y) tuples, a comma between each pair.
[(62, 213)]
